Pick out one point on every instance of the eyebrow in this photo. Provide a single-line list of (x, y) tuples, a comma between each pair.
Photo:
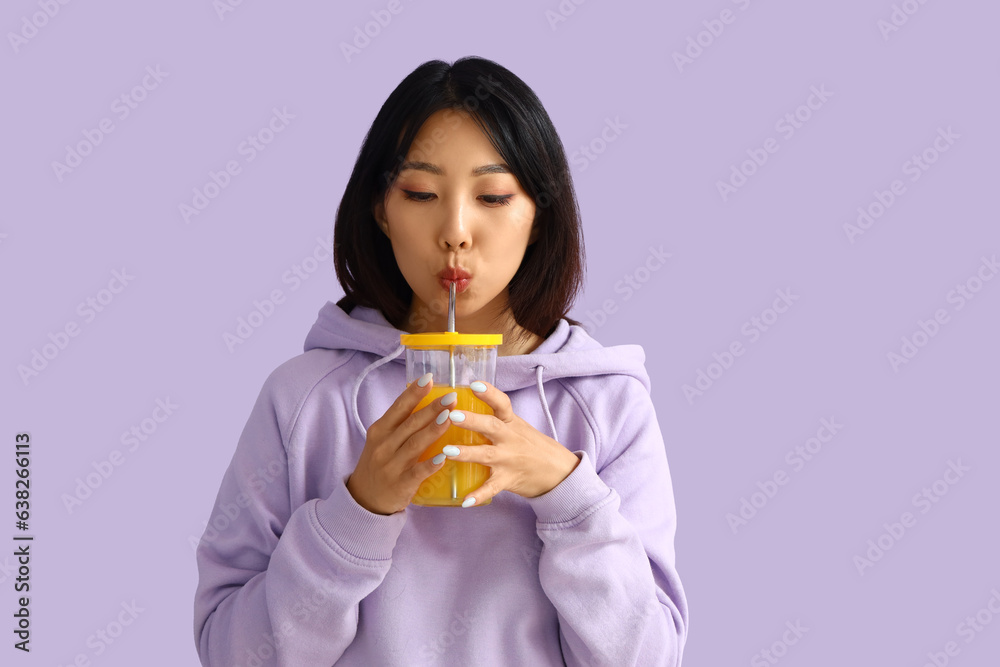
[(434, 169)]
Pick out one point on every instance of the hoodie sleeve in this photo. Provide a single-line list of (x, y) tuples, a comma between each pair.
[(280, 585), (607, 560)]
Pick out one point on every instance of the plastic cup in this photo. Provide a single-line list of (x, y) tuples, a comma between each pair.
[(473, 357)]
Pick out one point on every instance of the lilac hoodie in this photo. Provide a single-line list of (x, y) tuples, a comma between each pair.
[(292, 571)]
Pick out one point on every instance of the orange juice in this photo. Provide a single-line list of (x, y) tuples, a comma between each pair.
[(449, 485)]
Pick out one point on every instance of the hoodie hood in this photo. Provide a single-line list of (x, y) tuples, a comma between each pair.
[(568, 352)]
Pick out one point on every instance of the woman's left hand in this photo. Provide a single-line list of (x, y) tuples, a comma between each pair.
[(523, 460)]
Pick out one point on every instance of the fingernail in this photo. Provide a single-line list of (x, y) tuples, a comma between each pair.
[(449, 398), (457, 416), (477, 386), (469, 502), (424, 379), (450, 450), (441, 418), (438, 459)]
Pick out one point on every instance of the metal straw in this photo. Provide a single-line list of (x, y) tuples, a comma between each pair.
[(451, 369), (451, 329)]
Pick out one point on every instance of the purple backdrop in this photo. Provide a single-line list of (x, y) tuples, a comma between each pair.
[(787, 204)]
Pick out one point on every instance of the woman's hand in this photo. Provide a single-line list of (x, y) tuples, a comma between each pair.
[(388, 472), (523, 460)]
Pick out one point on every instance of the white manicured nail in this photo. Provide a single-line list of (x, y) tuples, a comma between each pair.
[(469, 502), (457, 416), (424, 379), (441, 418), (477, 386), (438, 459), (450, 450), (449, 398)]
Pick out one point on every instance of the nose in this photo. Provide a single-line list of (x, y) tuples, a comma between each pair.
[(455, 231)]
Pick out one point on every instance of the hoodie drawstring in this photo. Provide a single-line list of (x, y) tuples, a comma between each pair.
[(357, 384), (545, 405)]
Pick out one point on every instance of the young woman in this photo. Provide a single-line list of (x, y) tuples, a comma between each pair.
[(314, 554)]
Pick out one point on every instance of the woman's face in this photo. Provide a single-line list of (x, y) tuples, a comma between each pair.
[(455, 205)]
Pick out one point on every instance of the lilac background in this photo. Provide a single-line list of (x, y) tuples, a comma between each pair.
[(654, 185)]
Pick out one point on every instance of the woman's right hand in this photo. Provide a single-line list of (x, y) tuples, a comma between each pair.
[(388, 472)]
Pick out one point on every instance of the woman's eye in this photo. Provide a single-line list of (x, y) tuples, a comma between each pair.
[(502, 200), (417, 196), (497, 199)]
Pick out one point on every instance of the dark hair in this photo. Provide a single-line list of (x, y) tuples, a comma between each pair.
[(511, 115)]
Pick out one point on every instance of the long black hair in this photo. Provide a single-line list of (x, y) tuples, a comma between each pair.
[(510, 114)]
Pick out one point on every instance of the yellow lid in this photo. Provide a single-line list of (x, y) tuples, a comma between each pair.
[(449, 338)]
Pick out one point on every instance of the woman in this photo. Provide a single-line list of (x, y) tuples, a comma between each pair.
[(322, 561)]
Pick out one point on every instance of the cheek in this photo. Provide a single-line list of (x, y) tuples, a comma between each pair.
[(510, 253), (402, 226)]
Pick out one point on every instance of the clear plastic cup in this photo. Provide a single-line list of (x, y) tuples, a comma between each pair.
[(456, 360)]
